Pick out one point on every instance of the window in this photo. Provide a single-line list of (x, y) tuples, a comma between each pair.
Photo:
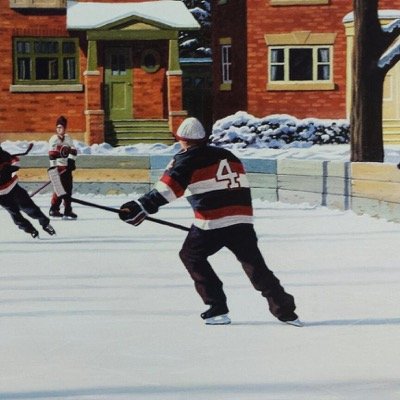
[(37, 3), (45, 61), (300, 60), (298, 2), (226, 63), (300, 64), (150, 61)]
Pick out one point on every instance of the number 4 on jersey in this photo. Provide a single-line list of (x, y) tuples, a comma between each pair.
[(225, 173)]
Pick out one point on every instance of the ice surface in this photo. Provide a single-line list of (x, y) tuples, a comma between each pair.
[(106, 311)]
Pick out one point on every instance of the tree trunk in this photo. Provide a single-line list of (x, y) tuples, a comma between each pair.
[(367, 89)]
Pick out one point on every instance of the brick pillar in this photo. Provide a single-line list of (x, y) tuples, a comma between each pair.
[(93, 111), (175, 113), (93, 108), (174, 79)]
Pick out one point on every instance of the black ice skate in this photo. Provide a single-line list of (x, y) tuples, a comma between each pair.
[(55, 213), (49, 229), (69, 215), (32, 231), (216, 315)]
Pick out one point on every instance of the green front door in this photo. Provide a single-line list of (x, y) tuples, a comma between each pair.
[(118, 83)]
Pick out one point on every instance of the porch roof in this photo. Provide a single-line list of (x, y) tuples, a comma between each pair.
[(167, 14)]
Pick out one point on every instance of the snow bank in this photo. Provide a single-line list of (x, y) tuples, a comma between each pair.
[(243, 130)]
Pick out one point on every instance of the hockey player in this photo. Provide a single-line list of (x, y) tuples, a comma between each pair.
[(62, 154), (15, 199), (216, 186)]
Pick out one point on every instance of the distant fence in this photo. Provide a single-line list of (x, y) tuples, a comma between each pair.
[(370, 188)]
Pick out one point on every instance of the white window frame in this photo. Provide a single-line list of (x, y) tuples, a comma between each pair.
[(226, 63)]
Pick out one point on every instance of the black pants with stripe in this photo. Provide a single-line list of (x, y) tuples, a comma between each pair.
[(19, 200), (241, 240)]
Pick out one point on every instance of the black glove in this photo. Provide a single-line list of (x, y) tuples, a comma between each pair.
[(12, 168), (398, 165), (132, 213), (71, 164)]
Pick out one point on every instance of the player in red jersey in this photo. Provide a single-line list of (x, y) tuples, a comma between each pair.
[(215, 183)]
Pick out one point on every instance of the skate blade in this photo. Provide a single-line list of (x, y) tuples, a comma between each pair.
[(218, 320), (295, 322)]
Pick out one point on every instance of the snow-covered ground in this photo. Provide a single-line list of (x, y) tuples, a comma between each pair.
[(106, 311)]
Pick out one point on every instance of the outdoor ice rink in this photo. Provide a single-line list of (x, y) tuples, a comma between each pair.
[(106, 311)]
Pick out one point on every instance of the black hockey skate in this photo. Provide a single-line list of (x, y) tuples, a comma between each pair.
[(32, 231), (69, 215), (49, 229), (216, 315), (55, 213)]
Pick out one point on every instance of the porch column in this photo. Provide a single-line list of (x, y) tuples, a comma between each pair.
[(174, 80), (93, 111)]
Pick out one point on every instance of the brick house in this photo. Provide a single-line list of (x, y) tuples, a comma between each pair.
[(291, 57), (112, 68)]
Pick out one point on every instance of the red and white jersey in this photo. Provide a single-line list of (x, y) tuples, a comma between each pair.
[(214, 182), (60, 149), (8, 177)]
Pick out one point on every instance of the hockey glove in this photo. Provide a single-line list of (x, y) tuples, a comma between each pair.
[(132, 213), (71, 164)]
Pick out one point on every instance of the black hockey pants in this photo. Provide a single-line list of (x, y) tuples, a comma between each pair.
[(18, 200), (241, 239)]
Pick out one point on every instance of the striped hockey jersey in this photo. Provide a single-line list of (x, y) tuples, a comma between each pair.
[(60, 149), (8, 166), (214, 182)]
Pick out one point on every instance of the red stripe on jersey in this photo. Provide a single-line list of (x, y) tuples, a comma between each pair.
[(223, 212), (53, 154), (211, 171), (173, 185)]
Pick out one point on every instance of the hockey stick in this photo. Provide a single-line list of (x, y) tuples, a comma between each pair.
[(29, 148), (59, 190), (116, 210), (40, 188)]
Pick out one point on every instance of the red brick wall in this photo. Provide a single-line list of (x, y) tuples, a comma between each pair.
[(274, 19), (149, 89), (34, 112), (263, 18)]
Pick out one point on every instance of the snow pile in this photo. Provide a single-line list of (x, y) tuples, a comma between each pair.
[(243, 130)]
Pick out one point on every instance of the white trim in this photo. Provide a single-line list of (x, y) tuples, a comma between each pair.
[(222, 222), (165, 191), (213, 185)]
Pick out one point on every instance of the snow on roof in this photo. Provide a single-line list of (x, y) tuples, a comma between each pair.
[(383, 14), (92, 15)]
